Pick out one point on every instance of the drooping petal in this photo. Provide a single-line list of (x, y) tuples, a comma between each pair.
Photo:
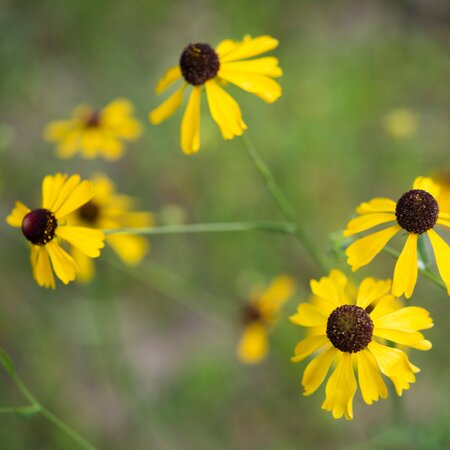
[(427, 184), (42, 270), (16, 216), (250, 47), (85, 265), (307, 346), (172, 75), (377, 205), (190, 125), (309, 315), (362, 251), (168, 107), (317, 370), (79, 195), (87, 240), (261, 85), (341, 388), (394, 364), (413, 339), (442, 255), (371, 290), (411, 318), (366, 221), (63, 264), (252, 347), (370, 380), (406, 268), (130, 249), (224, 110), (267, 65)]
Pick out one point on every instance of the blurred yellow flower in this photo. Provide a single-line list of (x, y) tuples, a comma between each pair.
[(259, 316), (401, 123), (95, 133), (443, 180), (201, 65), (348, 331), (109, 210), (46, 227), (416, 212)]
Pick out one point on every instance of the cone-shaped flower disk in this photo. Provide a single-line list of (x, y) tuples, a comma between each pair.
[(95, 133), (259, 316), (201, 65), (417, 212), (45, 228), (348, 329)]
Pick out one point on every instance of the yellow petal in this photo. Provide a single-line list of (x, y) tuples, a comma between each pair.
[(406, 268), (413, 339), (167, 108), (250, 47), (378, 205), (227, 45), (317, 370), (87, 240), (307, 346), (51, 189), (371, 290), (130, 249), (369, 377), (79, 195), (264, 87), (172, 75), (42, 270), (16, 216), (341, 388), (224, 110), (117, 109), (111, 149), (366, 221), (276, 295), (63, 264), (252, 347), (445, 223), (385, 306), (427, 184), (442, 255), (85, 265), (394, 364), (362, 251), (190, 125), (309, 316), (331, 290), (411, 318), (59, 129), (262, 66)]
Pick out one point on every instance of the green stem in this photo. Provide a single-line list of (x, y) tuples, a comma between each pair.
[(282, 202), (426, 273), (274, 227), (36, 406)]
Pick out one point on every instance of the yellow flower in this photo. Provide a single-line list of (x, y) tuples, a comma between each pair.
[(95, 133), (201, 65), (347, 329), (401, 123), (416, 212), (443, 180), (46, 227), (259, 315), (108, 210)]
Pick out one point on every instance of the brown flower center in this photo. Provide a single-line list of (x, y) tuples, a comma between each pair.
[(199, 63), (89, 212), (39, 226), (251, 314), (93, 120), (417, 211), (350, 328)]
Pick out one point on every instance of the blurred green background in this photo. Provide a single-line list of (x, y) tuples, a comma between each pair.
[(145, 358)]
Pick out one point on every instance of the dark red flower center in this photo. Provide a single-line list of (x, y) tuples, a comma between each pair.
[(39, 226)]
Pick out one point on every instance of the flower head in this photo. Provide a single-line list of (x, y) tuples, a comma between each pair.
[(259, 316), (95, 132), (201, 65), (45, 228), (416, 213), (347, 328), (108, 210)]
